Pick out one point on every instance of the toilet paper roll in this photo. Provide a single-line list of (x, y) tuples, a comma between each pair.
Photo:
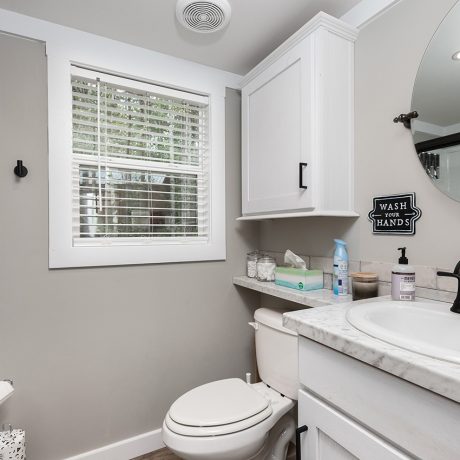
[(6, 390), (12, 445)]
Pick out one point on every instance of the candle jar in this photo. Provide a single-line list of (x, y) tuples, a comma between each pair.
[(251, 263), (266, 268), (364, 285)]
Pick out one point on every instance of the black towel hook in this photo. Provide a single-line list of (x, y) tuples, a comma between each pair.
[(20, 170)]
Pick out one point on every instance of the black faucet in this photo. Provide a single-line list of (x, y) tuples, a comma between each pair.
[(456, 274)]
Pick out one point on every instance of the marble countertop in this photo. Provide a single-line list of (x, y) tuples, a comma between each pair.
[(329, 326), (316, 298)]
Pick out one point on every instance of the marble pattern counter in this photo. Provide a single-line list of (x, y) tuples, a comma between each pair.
[(316, 298), (329, 326)]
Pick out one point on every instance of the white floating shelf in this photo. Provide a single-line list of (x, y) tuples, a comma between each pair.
[(300, 214), (316, 298)]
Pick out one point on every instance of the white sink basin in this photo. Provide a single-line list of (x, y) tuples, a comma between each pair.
[(422, 327)]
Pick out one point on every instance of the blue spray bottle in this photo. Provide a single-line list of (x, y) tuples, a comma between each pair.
[(340, 271)]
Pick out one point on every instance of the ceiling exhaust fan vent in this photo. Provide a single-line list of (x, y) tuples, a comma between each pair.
[(203, 16)]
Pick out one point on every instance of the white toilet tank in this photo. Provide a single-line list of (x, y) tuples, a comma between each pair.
[(277, 352)]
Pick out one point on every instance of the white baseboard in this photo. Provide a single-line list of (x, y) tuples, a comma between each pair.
[(126, 449)]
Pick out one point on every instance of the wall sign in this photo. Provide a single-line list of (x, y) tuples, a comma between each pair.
[(395, 214)]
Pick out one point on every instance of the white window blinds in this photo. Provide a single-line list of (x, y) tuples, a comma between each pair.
[(140, 162)]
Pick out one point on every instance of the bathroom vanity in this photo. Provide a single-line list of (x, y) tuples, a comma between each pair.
[(365, 398)]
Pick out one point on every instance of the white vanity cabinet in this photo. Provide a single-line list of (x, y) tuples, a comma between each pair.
[(297, 125), (355, 411), (332, 435)]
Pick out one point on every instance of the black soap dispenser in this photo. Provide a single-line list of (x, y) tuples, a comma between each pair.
[(403, 279)]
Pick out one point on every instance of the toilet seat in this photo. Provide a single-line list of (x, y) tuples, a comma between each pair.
[(218, 408), (218, 430)]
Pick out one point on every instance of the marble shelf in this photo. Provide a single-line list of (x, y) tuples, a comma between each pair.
[(316, 298)]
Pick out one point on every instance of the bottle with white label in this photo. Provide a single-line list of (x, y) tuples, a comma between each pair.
[(340, 272), (403, 279)]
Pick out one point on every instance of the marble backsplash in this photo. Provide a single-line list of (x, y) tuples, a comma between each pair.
[(428, 284)]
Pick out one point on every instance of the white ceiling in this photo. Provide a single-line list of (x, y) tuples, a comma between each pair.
[(257, 27)]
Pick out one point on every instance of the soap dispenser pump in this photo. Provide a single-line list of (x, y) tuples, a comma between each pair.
[(403, 279)]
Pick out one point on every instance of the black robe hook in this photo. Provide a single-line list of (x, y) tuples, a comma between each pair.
[(20, 170)]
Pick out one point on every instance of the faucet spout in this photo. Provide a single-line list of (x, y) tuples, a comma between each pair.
[(457, 268), (456, 274)]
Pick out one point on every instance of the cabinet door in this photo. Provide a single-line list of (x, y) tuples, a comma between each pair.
[(276, 131), (333, 436)]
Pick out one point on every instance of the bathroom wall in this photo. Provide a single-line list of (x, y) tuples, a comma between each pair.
[(388, 53), (98, 355)]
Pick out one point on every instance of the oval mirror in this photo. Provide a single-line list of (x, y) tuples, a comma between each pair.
[(436, 98)]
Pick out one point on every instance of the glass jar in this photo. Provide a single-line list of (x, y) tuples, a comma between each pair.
[(266, 268), (364, 285), (251, 263)]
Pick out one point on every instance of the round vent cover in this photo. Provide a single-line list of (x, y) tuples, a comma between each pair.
[(203, 16)]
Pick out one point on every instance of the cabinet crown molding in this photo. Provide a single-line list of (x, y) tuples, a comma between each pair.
[(321, 20)]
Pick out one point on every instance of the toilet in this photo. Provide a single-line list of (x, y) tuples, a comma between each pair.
[(234, 420)]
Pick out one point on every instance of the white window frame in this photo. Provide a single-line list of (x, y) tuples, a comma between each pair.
[(63, 253), (177, 74)]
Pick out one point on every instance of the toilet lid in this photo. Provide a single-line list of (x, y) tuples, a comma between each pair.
[(218, 430), (218, 403)]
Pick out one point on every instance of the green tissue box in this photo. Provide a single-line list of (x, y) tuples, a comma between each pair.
[(299, 278)]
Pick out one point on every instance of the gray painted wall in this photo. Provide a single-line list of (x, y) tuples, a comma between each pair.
[(388, 53), (99, 354)]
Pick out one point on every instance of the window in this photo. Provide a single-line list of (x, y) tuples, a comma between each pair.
[(136, 156), (139, 162)]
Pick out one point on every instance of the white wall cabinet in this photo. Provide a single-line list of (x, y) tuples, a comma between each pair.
[(297, 125)]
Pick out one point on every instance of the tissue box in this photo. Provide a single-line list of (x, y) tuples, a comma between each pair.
[(299, 278)]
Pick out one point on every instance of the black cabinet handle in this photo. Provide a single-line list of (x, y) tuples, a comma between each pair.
[(301, 166), (298, 444)]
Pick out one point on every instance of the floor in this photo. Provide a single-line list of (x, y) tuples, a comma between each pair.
[(166, 454), (162, 454)]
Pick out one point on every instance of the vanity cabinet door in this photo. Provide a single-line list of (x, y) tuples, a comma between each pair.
[(276, 163), (333, 436)]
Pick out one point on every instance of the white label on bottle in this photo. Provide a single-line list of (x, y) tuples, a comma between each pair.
[(406, 287), (403, 286), (341, 275), (407, 284), (343, 266), (343, 286)]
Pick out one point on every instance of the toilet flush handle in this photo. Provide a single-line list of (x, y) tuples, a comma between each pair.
[(254, 325)]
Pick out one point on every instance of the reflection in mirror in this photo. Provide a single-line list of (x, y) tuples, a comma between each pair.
[(436, 98)]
